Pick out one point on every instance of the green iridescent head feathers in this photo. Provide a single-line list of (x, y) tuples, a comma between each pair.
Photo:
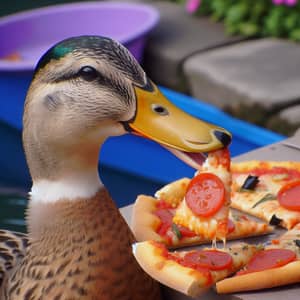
[(67, 46)]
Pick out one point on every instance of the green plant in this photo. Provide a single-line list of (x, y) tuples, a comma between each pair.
[(255, 18)]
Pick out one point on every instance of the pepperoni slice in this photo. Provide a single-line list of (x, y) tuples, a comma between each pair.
[(205, 194), (163, 204), (210, 259), (230, 226), (166, 217), (269, 259), (289, 195), (186, 232)]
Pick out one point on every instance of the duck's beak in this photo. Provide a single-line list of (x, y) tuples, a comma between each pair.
[(158, 119)]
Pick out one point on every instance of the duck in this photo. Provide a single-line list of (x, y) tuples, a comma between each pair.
[(78, 246)]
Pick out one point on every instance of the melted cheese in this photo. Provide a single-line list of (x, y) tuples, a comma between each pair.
[(210, 227), (247, 200), (287, 241), (206, 227)]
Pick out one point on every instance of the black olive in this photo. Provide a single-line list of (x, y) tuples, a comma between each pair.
[(250, 182), (275, 221), (297, 242)]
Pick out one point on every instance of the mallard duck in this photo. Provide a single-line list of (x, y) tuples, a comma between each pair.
[(78, 246)]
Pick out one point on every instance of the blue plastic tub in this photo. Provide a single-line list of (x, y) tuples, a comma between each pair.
[(142, 166)]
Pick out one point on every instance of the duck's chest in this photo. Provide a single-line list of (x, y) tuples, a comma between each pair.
[(89, 259)]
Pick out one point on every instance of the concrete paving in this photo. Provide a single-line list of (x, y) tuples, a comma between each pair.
[(257, 79), (291, 114), (263, 72), (178, 36), (287, 121)]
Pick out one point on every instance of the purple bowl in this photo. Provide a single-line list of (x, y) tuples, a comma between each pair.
[(31, 33)]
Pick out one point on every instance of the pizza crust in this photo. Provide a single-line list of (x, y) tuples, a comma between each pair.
[(144, 223), (284, 275), (174, 192), (168, 272), (252, 164)]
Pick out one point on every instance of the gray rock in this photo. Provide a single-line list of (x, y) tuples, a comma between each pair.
[(177, 36), (291, 114), (264, 72)]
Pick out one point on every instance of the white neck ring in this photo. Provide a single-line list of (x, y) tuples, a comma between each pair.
[(75, 187)]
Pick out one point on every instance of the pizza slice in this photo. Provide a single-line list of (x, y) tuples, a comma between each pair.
[(152, 219), (205, 207), (267, 190), (277, 265), (191, 272)]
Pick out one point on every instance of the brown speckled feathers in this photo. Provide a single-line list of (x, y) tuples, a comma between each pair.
[(84, 252), (12, 250)]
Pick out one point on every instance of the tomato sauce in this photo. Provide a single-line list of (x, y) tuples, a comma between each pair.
[(290, 174), (165, 214)]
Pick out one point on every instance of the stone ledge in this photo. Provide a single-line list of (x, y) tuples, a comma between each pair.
[(262, 72), (287, 121), (178, 36), (291, 114)]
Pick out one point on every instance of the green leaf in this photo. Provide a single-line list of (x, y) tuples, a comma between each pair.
[(219, 8), (237, 13), (267, 197), (295, 35), (259, 11), (292, 21), (176, 231), (231, 29), (242, 190), (274, 22), (249, 29)]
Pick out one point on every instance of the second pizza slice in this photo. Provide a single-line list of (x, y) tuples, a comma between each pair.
[(277, 265), (191, 272)]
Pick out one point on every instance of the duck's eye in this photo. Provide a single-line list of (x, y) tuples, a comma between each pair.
[(88, 73), (160, 109)]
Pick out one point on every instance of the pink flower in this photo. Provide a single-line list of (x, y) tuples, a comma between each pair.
[(192, 5), (286, 2), (291, 2)]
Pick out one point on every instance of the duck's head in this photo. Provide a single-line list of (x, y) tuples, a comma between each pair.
[(88, 88)]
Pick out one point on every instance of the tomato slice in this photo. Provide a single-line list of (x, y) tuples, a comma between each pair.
[(211, 259), (269, 259), (289, 195), (205, 194)]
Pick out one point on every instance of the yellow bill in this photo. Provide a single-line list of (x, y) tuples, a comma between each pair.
[(159, 120)]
